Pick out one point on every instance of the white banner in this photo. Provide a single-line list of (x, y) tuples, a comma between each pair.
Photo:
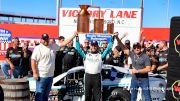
[(125, 20)]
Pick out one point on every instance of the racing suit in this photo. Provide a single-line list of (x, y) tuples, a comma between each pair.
[(93, 66)]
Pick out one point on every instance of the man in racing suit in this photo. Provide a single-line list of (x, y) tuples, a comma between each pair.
[(93, 66)]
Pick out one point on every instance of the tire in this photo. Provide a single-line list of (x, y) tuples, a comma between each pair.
[(119, 94)]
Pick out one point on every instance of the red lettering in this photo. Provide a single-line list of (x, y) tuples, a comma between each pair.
[(176, 88), (112, 14), (102, 13), (95, 14), (119, 14), (178, 42), (127, 14), (133, 14), (75, 13), (65, 12), (70, 13)]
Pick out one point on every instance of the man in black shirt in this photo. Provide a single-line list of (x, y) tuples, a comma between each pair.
[(59, 57), (13, 60), (163, 57), (70, 58)]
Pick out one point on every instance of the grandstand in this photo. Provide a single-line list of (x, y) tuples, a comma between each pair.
[(22, 18)]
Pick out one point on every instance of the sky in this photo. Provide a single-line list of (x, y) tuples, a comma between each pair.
[(157, 13)]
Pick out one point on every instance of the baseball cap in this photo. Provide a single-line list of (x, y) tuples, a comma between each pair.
[(137, 44), (45, 36), (95, 43), (150, 48), (127, 42), (61, 38)]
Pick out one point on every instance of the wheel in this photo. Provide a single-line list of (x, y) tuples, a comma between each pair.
[(119, 94)]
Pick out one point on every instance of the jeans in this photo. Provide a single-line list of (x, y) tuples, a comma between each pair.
[(43, 87), (6, 68), (144, 84)]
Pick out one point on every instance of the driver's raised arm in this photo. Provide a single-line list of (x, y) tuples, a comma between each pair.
[(79, 49)]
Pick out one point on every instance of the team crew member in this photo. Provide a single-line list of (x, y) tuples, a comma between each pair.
[(163, 57), (93, 67), (13, 58), (59, 57), (70, 57), (43, 65), (140, 68), (117, 57)]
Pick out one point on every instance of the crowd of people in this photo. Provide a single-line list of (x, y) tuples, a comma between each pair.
[(51, 58)]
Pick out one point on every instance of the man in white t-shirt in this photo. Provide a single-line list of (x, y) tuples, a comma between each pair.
[(43, 65)]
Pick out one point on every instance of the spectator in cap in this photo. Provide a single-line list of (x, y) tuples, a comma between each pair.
[(93, 67), (61, 39), (140, 68), (128, 44), (43, 65)]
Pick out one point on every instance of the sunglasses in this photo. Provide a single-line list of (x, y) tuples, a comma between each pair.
[(136, 47), (104, 43)]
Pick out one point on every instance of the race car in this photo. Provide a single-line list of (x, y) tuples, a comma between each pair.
[(115, 85)]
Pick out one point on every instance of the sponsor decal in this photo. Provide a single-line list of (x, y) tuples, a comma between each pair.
[(5, 36), (177, 44), (98, 37), (176, 89)]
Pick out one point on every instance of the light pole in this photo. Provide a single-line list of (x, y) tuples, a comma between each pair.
[(58, 6), (167, 13), (0, 5), (91, 2), (122, 3)]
